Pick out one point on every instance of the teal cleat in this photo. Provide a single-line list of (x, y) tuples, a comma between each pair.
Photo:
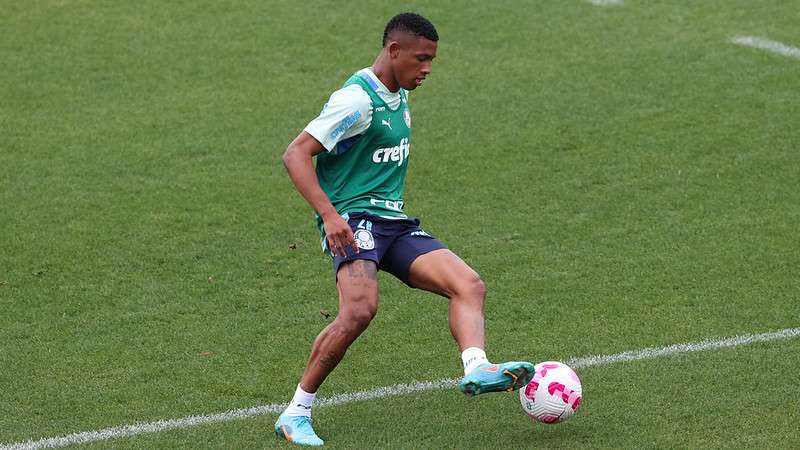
[(297, 429), (507, 377)]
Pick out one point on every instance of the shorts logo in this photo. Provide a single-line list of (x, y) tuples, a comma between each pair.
[(407, 117), (364, 239)]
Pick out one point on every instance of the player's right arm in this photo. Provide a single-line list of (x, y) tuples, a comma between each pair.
[(298, 160), (347, 113)]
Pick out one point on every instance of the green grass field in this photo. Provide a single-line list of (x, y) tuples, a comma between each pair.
[(622, 177)]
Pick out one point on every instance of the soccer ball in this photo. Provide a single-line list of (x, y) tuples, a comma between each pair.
[(553, 394)]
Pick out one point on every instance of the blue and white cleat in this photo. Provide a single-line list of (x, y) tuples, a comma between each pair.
[(487, 377), (297, 430)]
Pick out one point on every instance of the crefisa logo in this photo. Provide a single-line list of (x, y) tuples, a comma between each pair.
[(398, 153)]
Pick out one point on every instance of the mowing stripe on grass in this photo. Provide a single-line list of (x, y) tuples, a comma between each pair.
[(768, 45), (383, 392), (605, 2)]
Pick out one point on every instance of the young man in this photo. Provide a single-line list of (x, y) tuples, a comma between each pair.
[(362, 142)]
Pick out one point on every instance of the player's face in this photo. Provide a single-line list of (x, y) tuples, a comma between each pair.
[(412, 62)]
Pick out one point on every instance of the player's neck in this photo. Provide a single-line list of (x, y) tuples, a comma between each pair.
[(383, 70)]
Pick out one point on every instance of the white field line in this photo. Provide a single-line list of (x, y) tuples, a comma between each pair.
[(383, 392), (768, 45), (605, 2)]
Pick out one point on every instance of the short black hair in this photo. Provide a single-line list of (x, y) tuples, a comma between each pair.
[(410, 23)]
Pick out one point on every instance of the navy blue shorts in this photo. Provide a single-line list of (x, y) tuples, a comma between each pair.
[(392, 243)]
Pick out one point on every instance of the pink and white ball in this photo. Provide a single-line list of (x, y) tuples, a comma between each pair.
[(553, 394)]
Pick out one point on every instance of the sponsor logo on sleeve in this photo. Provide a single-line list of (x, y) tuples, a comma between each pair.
[(345, 124)]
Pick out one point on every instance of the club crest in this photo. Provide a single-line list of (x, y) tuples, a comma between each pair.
[(407, 117), (364, 239)]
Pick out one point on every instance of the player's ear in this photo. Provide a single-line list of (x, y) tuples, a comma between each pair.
[(393, 48)]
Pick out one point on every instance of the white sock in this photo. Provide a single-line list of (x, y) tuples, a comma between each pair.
[(472, 358), (301, 403)]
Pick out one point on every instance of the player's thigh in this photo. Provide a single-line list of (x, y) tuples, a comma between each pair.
[(444, 273), (357, 282)]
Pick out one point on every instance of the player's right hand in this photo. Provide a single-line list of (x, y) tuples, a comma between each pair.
[(339, 235)]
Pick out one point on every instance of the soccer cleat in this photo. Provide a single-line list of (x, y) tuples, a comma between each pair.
[(487, 377), (297, 429)]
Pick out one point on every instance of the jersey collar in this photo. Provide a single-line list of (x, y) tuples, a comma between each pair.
[(374, 82)]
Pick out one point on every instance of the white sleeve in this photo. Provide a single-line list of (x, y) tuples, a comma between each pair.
[(348, 113)]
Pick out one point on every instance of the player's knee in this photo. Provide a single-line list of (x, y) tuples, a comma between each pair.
[(356, 319), (471, 286), (354, 323), (477, 287), (468, 288), (362, 318)]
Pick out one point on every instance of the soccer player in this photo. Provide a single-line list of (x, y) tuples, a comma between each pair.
[(362, 144)]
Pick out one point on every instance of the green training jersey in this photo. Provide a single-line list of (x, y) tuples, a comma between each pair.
[(367, 171)]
